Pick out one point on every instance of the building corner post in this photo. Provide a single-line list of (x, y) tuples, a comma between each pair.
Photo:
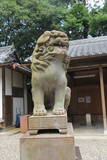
[(103, 99)]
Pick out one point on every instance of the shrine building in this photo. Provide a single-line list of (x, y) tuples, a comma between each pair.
[(87, 78)]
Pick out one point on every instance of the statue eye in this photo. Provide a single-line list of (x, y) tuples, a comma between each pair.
[(50, 48)]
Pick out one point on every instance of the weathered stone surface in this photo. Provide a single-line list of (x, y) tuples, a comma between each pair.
[(48, 121), (48, 147), (49, 64)]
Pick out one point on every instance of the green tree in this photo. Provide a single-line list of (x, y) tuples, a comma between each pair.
[(98, 21), (105, 7), (66, 3), (76, 22), (98, 24), (13, 21), (22, 22)]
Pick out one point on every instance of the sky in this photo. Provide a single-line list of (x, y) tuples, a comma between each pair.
[(94, 3)]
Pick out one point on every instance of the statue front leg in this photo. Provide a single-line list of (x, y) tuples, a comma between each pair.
[(59, 100), (38, 99)]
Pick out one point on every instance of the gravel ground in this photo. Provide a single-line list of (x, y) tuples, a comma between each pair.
[(9, 147), (91, 147)]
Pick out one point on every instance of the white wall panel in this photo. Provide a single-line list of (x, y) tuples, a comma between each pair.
[(8, 82), (17, 107)]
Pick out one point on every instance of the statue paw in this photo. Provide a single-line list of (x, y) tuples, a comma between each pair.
[(40, 112), (59, 111)]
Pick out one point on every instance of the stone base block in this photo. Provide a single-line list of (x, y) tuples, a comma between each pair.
[(24, 123), (48, 147), (48, 121)]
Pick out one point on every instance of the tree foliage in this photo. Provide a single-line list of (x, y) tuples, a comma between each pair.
[(23, 21), (66, 3), (98, 21), (76, 22), (98, 25)]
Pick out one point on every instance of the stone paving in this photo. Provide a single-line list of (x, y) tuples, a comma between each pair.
[(91, 147), (9, 147)]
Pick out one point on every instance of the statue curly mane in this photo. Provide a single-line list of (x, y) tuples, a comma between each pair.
[(49, 46)]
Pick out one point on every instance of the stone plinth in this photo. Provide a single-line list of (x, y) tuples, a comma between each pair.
[(48, 121), (24, 123), (48, 146)]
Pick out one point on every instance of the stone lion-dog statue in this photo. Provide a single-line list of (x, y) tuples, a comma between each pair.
[(49, 72)]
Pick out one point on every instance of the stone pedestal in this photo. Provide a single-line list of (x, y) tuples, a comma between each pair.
[(48, 121), (24, 123), (48, 146)]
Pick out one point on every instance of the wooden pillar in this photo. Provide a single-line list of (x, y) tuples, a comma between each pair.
[(103, 100)]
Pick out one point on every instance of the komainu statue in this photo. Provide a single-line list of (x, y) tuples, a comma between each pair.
[(49, 72)]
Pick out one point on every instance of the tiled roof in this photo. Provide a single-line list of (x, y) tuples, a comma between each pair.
[(7, 54), (88, 47), (85, 47)]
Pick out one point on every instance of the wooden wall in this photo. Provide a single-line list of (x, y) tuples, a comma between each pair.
[(85, 99), (13, 95), (8, 112), (85, 96)]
